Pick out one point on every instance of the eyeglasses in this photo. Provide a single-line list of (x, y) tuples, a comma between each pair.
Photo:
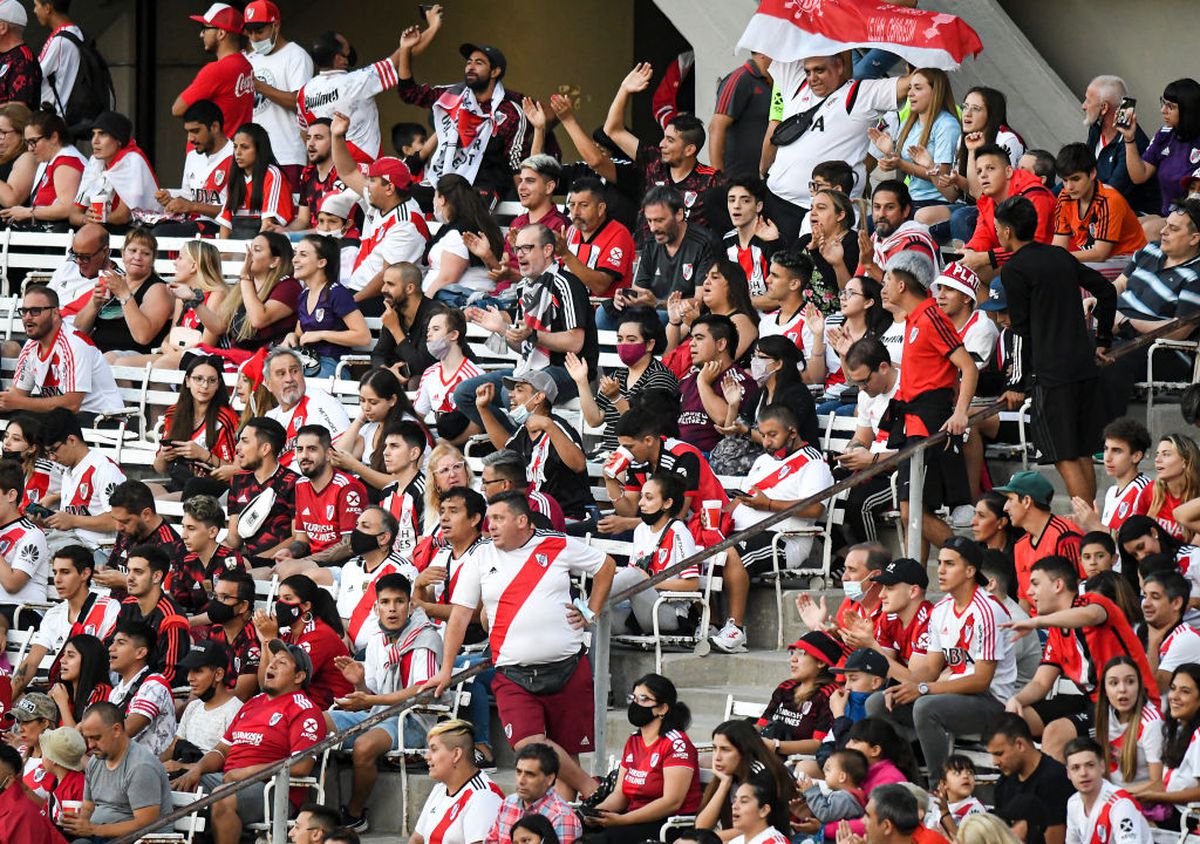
[(641, 700), (205, 380), (1167, 104), (54, 447), (524, 248), (453, 467), (85, 257), (31, 143), (846, 294), (813, 187), (36, 311), (7, 132), (227, 600), (863, 383), (486, 482), (967, 108)]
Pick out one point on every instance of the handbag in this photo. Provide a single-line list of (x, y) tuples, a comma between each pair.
[(791, 130), (545, 678), (181, 337)]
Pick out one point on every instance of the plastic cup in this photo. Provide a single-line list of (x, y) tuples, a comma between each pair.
[(618, 462)]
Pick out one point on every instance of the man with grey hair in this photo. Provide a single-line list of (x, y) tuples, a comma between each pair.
[(1099, 106), (936, 366), (554, 319), (504, 470), (299, 405), (22, 78)]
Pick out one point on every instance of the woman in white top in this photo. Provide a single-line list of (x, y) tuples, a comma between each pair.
[(1181, 743), (446, 340), (1128, 726), (758, 815), (382, 402), (454, 273), (56, 179)]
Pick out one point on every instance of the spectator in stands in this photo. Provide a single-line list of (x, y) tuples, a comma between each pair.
[(1169, 640), (661, 541), (82, 677), (401, 655), (488, 158), (75, 278), (797, 717), (58, 368), (446, 332), (1168, 159), (847, 108), (25, 562), (261, 309), (22, 82), (316, 824), (1121, 816), (198, 288), (1100, 112), (143, 696), (193, 576), (204, 186), (329, 322), (26, 721), (1161, 282), (1180, 722), (375, 556), (63, 756), (739, 120), (534, 795), (408, 140), (310, 616), (833, 246), (404, 445), (965, 637), (1025, 770), (1130, 725), (199, 430), (595, 246), (394, 231), (298, 404), (753, 239), (228, 80), (504, 470), (900, 632), (264, 529), (676, 257), (138, 522), (447, 469), (464, 801), (84, 516), (319, 179), (210, 711), (1040, 162), (52, 198), (117, 329), (59, 58), (1097, 553), (999, 181), (117, 179), (23, 442), (640, 344), (78, 607), (148, 602), (259, 198), (702, 391), (1028, 508), (383, 405), (1092, 220), (1042, 285), (1176, 480), (457, 276), (1075, 622), (17, 164), (895, 231), (230, 612), (282, 722), (722, 292), (1126, 442), (406, 313), (659, 774), (537, 179), (868, 366), (281, 67), (24, 821), (739, 753), (532, 639), (124, 788)]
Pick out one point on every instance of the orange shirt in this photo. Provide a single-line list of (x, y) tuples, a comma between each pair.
[(1060, 537), (1108, 218)]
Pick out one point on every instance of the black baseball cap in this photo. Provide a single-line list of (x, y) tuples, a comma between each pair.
[(820, 646), (494, 56), (971, 552), (299, 656), (904, 570), (209, 653), (865, 660)]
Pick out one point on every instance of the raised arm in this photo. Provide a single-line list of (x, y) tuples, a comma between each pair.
[(636, 81), (588, 150)]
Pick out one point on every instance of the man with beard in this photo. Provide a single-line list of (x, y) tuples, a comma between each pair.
[(138, 522), (482, 131), (328, 504), (406, 312), (269, 487), (372, 543), (228, 80), (319, 177), (231, 612), (148, 603), (596, 248), (403, 653), (895, 230), (205, 182), (298, 405), (394, 230)]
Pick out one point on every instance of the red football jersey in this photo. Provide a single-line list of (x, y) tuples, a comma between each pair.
[(331, 513), (929, 341), (610, 249), (891, 633), (323, 644), (269, 729), (644, 768), (1081, 654)]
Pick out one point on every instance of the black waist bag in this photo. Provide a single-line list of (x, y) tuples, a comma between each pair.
[(545, 678), (791, 130)]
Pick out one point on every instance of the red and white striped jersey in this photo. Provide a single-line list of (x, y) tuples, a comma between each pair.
[(399, 235), (1149, 740), (464, 817), (656, 550), (972, 634), (86, 488), (356, 595), (794, 478), (353, 94), (206, 177), (794, 328), (1181, 645), (910, 235), (435, 393), (277, 204), (72, 364), (979, 335), (1120, 501), (520, 590)]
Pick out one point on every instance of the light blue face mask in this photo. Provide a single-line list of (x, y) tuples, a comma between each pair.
[(853, 589), (519, 414), (264, 47)]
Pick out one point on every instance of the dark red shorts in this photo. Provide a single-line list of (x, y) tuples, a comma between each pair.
[(566, 717)]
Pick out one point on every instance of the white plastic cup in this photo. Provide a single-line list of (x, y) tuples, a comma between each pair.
[(618, 462)]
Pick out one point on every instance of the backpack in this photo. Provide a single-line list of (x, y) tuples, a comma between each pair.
[(93, 90)]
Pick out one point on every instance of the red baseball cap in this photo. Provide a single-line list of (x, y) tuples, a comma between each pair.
[(262, 11), (393, 169), (222, 16)]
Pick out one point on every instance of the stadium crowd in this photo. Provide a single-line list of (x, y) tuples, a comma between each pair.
[(862, 244)]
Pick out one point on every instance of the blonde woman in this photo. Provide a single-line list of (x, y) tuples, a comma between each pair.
[(447, 468), (1176, 480), (985, 829)]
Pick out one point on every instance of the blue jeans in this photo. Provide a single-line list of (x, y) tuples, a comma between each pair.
[(875, 64), (962, 222), (464, 393), (414, 731), (328, 366), (836, 407), (606, 321), (480, 687)]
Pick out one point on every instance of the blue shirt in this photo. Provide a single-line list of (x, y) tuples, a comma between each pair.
[(942, 145)]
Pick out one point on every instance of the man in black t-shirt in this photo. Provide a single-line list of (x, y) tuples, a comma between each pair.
[(1025, 770), (406, 314)]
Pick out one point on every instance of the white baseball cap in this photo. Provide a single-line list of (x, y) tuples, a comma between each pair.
[(958, 277), (11, 11)]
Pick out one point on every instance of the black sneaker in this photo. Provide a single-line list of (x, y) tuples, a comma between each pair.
[(483, 763), (356, 824)]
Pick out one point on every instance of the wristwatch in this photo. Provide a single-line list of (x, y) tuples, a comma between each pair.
[(923, 688)]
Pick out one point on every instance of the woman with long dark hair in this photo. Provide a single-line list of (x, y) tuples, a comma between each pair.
[(739, 753), (454, 272), (860, 314), (82, 678), (660, 773), (382, 403), (23, 442), (775, 367), (1173, 152), (329, 323), (259, 198), (1140, 537), (310, 616), (533, 828), (1180, 744), (889, 757), (200, 429), (992, 528), (724, 291)]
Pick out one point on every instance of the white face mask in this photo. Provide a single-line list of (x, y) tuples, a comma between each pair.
[(853, 589), (760, 370), (518, 414), (439, 347), (264, 47)]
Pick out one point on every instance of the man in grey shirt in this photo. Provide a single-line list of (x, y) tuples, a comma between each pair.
[(125, 786)]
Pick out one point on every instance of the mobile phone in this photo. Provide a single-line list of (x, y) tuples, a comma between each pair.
[(741, 493), (1128, 104), (38, 511), (423, 9)]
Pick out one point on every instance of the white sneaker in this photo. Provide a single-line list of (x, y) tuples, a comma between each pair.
[(731, 639), (962, 515)]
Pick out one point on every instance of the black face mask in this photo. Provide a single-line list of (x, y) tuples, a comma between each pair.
[(650, 518), (286, 614), (210, 694), (13, 455), (639, 715), (363, 543), (219, 612)]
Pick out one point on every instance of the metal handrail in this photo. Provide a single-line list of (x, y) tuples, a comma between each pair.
[(603, 621)]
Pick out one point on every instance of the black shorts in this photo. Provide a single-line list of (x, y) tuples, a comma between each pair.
[(1077, 709), (1067, 420), (756, 552), (946, 482)]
